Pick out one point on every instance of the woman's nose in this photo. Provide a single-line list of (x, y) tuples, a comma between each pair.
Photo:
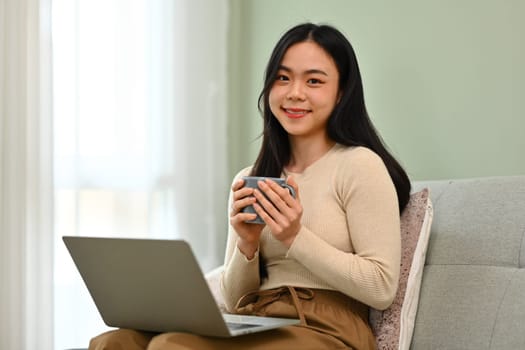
[(296, 91)]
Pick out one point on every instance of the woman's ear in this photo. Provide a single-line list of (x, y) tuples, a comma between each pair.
[(339, 95)]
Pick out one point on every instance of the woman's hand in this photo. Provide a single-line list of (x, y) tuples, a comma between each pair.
[(279, 210), (249, 234)]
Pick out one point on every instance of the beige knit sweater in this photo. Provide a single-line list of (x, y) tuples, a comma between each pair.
[(349, 240)]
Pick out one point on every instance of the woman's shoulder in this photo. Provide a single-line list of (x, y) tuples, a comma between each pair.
[(358, 161), (359, 154)]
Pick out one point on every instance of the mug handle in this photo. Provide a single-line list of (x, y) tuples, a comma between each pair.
[(290, 188)]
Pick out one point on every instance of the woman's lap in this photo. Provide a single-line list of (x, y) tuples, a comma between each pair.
[(333, 321), (292, 337)]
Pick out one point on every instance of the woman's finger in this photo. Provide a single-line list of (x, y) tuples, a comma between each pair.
[(290, 180), (239, 204), (281, 199), (237, 185)]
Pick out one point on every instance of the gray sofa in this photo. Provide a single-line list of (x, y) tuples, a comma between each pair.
[(473, 288)]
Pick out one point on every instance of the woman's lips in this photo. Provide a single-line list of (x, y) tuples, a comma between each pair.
[(295, 113)]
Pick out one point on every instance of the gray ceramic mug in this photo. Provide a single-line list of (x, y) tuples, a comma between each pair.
[(251, 182)]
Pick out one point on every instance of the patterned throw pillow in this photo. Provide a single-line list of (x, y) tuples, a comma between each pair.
[(394, 326)]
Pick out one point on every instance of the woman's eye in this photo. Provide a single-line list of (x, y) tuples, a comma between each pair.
[(282, 78), (314, 81)]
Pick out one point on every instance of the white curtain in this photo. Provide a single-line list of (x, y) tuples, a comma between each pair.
[(26, 227), (140, 134)]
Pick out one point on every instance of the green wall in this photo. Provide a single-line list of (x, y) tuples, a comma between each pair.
[(444, 80)]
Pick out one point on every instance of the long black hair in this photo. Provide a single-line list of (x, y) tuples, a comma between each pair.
[(349, 123)]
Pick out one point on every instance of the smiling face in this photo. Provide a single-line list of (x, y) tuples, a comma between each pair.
[(305, 91)]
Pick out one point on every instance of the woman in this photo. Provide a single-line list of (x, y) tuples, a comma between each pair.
[(331, 252)]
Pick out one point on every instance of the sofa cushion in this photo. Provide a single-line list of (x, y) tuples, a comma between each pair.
[(473, 283), (509, 327), (393, 327), (477, 221), (471, 307)]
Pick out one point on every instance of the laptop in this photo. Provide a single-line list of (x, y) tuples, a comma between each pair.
[(157, 286)]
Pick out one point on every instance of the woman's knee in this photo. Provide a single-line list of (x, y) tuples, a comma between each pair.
[(177, 341), (121, 339)]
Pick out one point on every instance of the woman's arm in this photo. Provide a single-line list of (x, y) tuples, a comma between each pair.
[(241, 274)]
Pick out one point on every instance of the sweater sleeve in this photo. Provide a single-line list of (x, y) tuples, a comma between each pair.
[(240, 275), (370, 273)]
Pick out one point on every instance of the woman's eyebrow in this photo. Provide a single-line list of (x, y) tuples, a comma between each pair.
[(309, 71)]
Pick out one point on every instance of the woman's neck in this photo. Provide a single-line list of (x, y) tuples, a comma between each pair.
[(304, 153)]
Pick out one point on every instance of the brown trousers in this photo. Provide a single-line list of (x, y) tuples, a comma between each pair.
[(329, 320)]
